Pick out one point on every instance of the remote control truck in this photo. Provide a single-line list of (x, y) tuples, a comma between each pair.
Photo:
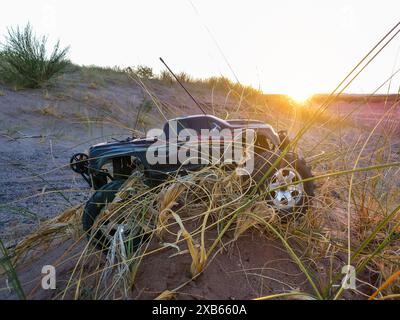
[(107, 166)]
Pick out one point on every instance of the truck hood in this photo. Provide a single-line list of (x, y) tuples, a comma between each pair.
[(100, 154)]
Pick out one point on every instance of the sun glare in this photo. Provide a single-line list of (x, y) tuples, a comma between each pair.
[(300, 97)]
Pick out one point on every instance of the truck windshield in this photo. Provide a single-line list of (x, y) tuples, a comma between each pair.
[(195, 123)]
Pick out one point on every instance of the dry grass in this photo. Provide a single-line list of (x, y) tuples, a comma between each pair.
[(51, 111)]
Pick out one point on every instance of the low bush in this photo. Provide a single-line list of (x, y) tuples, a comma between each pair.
[(25, 62)]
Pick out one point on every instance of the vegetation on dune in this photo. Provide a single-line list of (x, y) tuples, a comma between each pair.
[(25, 61), (219, 83), (144, 72)]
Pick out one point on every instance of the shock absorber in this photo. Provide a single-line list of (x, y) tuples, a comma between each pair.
[(284, 139)]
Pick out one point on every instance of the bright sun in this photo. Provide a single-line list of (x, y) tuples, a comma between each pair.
[(300, 96)]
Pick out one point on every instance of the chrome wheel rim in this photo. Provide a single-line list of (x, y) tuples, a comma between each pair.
[(285, 192)]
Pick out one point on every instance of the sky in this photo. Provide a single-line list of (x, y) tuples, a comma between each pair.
[(287, 46)]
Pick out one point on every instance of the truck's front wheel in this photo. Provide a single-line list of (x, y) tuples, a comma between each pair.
[(99, 232), (283, 186)]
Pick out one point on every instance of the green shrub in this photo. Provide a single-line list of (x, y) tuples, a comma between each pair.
[(24, 61), (144, 72)]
